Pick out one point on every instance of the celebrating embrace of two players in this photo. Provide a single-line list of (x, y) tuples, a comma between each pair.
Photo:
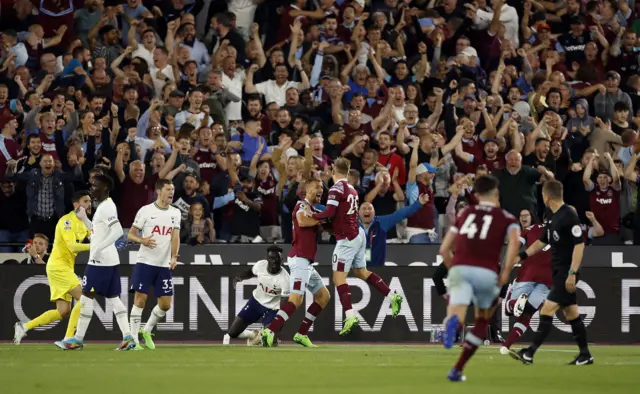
[(475, 275)]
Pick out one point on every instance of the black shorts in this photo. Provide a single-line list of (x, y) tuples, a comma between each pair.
[(503, 291), (559, 293)]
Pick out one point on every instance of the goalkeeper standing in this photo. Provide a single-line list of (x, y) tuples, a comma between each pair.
[(71, 231)]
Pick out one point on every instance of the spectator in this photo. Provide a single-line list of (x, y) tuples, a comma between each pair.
[(518, 184), (197, 229), (37, 250), (605, 102), (385, 195), (275, 89), (194, 115), (252, 143), (14, 227), (421, 226), (189, 196), (45, 188), (246, 212), (604, 200)]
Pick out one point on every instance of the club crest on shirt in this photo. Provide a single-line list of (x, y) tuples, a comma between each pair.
[(556, 236)]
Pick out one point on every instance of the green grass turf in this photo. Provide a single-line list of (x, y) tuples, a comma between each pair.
[(353, 369)]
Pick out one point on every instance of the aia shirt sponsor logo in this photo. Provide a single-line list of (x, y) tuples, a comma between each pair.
[(162, 230)]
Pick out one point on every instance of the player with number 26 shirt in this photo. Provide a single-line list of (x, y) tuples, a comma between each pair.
[(342, 208)]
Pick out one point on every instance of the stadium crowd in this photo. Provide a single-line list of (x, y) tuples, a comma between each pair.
[(239, 101)]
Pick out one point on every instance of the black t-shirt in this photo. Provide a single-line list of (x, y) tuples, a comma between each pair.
[(563, 232), (246, 221), (385, 205)]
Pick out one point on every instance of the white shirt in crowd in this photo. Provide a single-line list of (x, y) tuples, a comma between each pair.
[(270, 287), (105, 216), (508, 16), (272, 92), (145, 54), (198, 53), (158, 84), (196, 120), (159, 223), (244, 10), (234, 86)]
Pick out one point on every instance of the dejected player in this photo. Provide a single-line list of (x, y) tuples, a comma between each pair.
[(564, 233), (342, 210), (530, 289), (477, 236), (102, 275), (273, 284), (159, 227), (71, 232), (303, 276)]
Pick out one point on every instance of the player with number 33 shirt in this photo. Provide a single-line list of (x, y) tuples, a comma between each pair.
[(159, 225)]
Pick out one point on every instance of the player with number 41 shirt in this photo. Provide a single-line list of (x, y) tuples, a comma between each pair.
[(477, 237), (349, 253)]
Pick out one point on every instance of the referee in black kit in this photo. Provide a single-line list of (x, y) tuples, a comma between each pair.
[(564, 234)]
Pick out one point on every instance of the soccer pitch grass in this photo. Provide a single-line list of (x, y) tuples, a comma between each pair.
[(353, 369)]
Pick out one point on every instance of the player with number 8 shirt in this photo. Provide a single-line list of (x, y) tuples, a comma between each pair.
[(477, 238), (159, 239)]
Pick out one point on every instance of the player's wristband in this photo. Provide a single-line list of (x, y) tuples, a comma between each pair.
[(572, 272), (523, 255)]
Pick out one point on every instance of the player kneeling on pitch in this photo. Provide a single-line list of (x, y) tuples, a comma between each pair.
[(273, 284), (159, 226)]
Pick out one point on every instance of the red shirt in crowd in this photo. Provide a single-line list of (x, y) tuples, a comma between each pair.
[(392, 161), (134, 196), (605, 205)]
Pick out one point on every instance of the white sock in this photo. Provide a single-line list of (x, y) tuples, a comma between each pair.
[(156, 315), (350, 313), (120, 312), (226, 339), (86, 313), (389, 296), (134, 321), (247, 334)]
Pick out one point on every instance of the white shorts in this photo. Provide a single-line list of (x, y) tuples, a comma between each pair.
[(350, 254), (537, 292), (303, 276), (469, 284)]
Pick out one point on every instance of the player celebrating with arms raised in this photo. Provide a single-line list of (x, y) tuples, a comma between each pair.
[(342, 208), (477, 235), (273, 283), (303, 276), (72, 229), (564, 234), (159, 224), (102, 275)]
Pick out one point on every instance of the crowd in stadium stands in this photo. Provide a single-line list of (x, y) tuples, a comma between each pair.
[(240, 101)]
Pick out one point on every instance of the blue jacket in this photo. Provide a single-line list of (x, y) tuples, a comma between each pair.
[(377, 233)]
